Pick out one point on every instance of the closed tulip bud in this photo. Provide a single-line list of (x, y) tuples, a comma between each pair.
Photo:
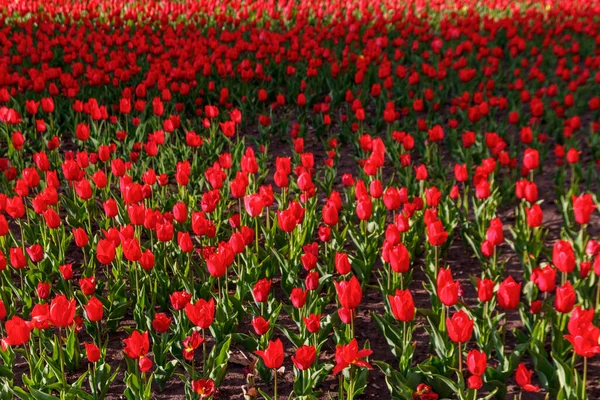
[(447, 288), (43, 290), (494, 233)]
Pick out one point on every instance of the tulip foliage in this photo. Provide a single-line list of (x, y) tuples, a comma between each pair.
[(327, 199)]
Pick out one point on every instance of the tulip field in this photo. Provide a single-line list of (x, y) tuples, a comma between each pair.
[(285, 199)]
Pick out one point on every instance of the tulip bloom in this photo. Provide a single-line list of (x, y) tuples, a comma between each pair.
[(544, 278), (476, 364), (205, 388), (523, 378), (105, 251), (348, 355), (447, 287), (402, 305), (190, 344), (312, 323), (305, 357), (349, 293), (563, 256), (136, 347), (272, 356), (565, 298), (253, 204), (17, 332), (583, 207), (161, 323), (93, 352), (62, 311), (509, 294), (485, 289), (202, 313), (261, 290), (460, 327), (94, 309), (436, 234)]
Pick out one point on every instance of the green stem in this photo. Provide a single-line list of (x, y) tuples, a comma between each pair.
[(274, 384)]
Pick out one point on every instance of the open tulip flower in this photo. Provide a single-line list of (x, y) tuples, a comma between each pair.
[(298, 193)]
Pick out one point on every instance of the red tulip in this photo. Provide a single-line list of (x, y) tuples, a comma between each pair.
[(62, 311), (205, 388), (402, 305), (460, 327), (342, 263), (565, 298), (531, 159), (583, 207), (348, 355), (94, 309), (253, 204), (330, 214), (436, 233), (137, 344), (312, 323), (544, 278), (535, 216), (261, 290), (298, 297), (494, 233), (202, 313), (485, 289), (349, 293), (509, 294), (399, 258), (17, 258), (272, 356), (523, 377), (161, 323), (93, 352), (447, 288), (190, 344), (17, 332), (305, 357), (179, 300), (563, 256), (260, 325), (105, 251)]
